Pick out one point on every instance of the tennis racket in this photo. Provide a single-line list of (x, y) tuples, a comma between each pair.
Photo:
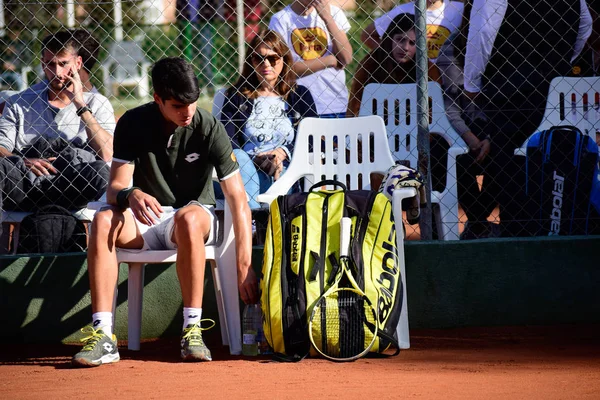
[(343, 322)]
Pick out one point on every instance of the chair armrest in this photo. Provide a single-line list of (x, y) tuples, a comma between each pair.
[(457, 150), (279, 188), (397, 196)]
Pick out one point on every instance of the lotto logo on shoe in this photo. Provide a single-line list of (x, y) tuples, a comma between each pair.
[(108, 347), (557, 202), (192, 157)]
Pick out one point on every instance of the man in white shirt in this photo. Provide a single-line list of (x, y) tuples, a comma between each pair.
[(57, 112)]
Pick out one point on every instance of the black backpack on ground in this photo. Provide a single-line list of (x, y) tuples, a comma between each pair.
[(562, 190), (51, 229)]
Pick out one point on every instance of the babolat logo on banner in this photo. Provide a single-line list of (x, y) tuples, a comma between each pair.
[(557, 203), (295, 242)]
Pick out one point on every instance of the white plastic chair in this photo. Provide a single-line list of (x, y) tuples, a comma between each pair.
[(222, 257), (397, 105), (366, 151), (571, 101), (126, 65)]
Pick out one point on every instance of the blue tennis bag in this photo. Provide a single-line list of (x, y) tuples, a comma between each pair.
[(562, 188)]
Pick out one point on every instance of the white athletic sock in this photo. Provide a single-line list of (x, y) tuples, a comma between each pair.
[(104, 321), (191, 316)]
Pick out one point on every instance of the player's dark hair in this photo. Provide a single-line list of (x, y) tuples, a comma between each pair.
[(174, 78)]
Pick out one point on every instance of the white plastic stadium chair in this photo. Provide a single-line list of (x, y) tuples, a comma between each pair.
[(397, 105), (126, 65), (571, 101), (222, 258), (365, 151)]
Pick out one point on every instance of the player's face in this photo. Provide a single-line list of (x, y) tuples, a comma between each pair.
[(404, 46), (174, 111), (57, 67), (267, 64)]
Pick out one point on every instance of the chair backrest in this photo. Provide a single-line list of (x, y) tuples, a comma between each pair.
[(218, 102), (125, 61), (397, 105), (573, 101), (345, 149)]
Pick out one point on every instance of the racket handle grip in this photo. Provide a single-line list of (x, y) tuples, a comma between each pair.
[(345, 234)]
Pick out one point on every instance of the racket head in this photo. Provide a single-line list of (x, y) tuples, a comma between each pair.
[(343, 325)]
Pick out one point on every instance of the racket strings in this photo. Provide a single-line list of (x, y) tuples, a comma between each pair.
[(343, 325)]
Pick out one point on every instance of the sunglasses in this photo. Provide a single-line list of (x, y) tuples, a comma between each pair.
[(259, 58)]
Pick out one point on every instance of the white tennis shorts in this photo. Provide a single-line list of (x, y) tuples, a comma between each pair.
[(159, 236)]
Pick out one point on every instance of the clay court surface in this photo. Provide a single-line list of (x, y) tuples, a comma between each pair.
[(560, 362)]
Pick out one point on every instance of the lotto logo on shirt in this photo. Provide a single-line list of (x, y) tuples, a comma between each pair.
[(436, 36), (309, 43)]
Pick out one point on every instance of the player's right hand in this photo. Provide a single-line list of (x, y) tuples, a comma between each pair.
[(41, 166), (145, 208)]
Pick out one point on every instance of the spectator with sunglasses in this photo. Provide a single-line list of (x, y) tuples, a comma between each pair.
[(261, 112)]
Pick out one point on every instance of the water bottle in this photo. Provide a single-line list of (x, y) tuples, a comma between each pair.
[(251, 321), (261, 340)]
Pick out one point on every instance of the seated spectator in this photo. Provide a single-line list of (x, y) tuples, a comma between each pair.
[(443, 21), (315, 32), (261, 112), (392, 62), (55, 140), (88, 51)]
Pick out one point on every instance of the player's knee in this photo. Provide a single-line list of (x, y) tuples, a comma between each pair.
[(192, 223), (103, 222)]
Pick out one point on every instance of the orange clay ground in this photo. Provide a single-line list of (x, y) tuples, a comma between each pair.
[(561, 362)]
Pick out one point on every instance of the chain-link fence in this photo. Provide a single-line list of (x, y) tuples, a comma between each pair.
[(498, 72)]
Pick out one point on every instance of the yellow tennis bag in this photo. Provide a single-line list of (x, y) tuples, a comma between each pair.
[(301, 248)]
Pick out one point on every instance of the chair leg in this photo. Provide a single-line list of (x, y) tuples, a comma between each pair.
[(15, 238), (135, 296), (402, 330), (5, 238), (227, 271), (220, 305), (448, 222), (114, 306)]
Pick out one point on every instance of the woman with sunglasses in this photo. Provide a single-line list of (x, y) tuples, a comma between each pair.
[(261, 112)]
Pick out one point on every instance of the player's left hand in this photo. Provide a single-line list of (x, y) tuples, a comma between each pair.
[(248, 285)]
